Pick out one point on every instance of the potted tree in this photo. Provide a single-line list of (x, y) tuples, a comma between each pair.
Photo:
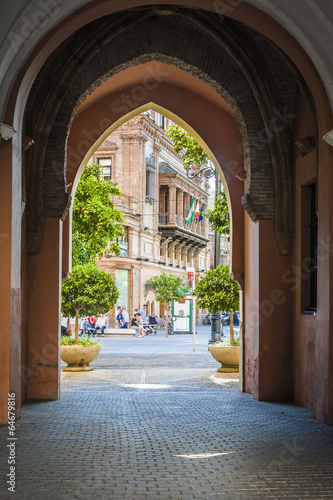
[(167, 288), (87, 291), (216, 291)]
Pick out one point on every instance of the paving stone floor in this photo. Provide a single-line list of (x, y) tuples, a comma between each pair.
[(160, 425)]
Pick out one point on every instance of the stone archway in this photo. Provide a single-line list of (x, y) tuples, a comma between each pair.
[(259, 104), (49, 185)]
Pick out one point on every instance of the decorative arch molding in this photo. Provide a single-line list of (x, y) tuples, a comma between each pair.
[(258, 84)]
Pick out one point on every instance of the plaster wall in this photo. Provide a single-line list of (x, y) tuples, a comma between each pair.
[(5, 282), (306, 326), (251, 294), (44, 315)]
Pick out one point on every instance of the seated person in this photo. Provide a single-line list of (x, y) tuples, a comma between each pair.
[(137, 325), (89, 329), (92, 320), (101, 324)]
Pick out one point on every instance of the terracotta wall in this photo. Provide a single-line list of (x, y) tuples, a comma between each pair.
[(305, 326), (267, 316)]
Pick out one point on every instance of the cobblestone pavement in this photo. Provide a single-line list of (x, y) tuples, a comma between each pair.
[(165, 426)]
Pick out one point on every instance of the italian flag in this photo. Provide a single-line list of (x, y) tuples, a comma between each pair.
[(190, 215)]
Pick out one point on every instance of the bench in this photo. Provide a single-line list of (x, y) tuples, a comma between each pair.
[(118, 332)]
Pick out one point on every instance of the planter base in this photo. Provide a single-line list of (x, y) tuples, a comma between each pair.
[(228, 369), (77, 368), (78, 357), (227, 356)]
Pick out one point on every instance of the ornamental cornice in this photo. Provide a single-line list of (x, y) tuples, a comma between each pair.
[(130, 137), (107, 144)]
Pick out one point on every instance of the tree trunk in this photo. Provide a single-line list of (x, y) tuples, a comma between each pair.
[(232, 327), (76, 327)]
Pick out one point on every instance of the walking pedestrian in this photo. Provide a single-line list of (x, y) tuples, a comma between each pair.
[(168, 319), (143, 312), (120, 317), (125, 316)]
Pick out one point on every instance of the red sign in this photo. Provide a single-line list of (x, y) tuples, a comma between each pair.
[(190, 275)]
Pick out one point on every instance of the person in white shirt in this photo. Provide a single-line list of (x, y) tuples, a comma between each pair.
[(125, 316), (101, 323)]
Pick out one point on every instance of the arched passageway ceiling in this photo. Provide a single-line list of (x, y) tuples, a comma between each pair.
[(310, 23), (251, 74)]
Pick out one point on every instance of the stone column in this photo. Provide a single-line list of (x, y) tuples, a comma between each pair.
[(185, 207), (162, 205), (180, 207), (172, 205), (44, 315), (183, 254)]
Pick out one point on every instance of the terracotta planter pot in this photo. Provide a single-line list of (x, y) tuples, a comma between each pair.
[(227, 356), (78, 357)]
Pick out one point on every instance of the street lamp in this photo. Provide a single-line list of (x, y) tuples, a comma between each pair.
[(215, 329), (209, 171), (206, 171)]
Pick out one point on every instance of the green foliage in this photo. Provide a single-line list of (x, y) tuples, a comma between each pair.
[(227, 344), (96, 221), (70, 341), (216, 291), (168, 287), (219, 217), (194, 153), (89, 291)]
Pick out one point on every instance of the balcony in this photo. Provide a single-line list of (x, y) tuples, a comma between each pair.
[(163, 218), (181, 231)]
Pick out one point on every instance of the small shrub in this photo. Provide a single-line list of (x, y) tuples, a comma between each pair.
[(227, 344), (70, 341)]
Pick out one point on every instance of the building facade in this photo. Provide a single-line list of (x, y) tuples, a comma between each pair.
[(155, 201)]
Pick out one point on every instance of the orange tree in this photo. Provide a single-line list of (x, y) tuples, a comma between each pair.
[(216, 291), (167, 288), (87, 291)]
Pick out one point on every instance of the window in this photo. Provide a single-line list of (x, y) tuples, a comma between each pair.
[(122, 282), (313, 246), (122, 242), (106, 164), (150, 178), (150, 184), (159, 119), (309, 239)]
